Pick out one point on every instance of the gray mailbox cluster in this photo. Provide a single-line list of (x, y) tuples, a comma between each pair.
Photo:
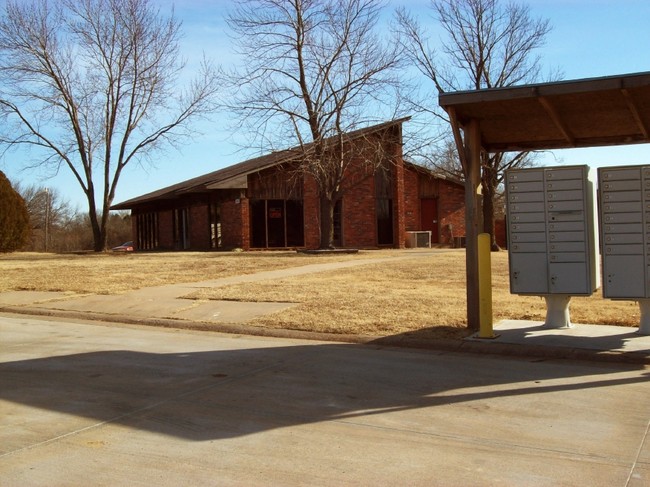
[(552, 236), (625, 231), (552, 232)]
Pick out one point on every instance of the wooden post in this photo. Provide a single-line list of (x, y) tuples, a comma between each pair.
[(472, 221), (469, 151)]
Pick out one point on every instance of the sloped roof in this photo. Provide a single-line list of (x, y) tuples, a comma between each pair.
[(433, 173), (204, 182), (612, 110)]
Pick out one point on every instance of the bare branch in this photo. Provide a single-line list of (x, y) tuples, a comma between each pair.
[(316, 69), (489, 44), (92, 84)]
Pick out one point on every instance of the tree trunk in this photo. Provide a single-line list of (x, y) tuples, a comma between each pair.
[(488, 183), (100, 236), (98, 240), (326, 223)]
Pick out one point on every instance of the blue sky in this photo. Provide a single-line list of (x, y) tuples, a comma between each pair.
[(590, 38)]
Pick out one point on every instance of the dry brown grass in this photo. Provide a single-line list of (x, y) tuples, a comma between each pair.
[(116, 273), (424, 294)]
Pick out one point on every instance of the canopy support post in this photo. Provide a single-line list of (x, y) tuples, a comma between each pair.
[(469, 151)]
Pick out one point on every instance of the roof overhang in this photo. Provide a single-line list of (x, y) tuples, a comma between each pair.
[(237, 182), (236, 176), (613, 110)]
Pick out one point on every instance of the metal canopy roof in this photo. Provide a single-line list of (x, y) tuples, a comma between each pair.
[(613, 110)]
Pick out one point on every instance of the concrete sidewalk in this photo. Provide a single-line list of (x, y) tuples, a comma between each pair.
[(166, 306), (122, 405), (168, 302)]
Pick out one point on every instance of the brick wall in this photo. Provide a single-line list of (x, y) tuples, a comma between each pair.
[(199, 227), (359, 216), (451, 207), (235, 223), (399, 197), (411, 201)]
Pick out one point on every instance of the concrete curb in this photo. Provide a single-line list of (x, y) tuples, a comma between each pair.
[(467, 345)]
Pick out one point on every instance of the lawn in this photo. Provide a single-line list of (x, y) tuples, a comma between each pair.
[(424, 293)]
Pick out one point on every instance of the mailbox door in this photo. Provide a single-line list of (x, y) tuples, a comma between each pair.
[(528, 273)]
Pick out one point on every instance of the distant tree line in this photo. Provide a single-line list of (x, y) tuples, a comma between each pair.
[(49, 223)]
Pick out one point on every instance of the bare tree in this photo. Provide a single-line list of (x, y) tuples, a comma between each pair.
[(314, 71), (488, 44), (91, 85)]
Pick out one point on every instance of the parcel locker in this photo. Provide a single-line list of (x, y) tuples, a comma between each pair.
[(552, 231)]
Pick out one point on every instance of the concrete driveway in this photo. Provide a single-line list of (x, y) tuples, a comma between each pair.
[(89, 404)]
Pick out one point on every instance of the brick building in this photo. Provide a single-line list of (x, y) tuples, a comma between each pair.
[(266, 203)]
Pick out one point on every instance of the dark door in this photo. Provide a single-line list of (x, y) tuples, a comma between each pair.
[(275, 223), (429, 217), (295, 223), (258, 223)]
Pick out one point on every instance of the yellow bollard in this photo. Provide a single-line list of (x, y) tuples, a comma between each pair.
[(485, 286)]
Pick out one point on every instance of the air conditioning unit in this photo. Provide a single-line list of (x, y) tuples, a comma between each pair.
[(421, 239)]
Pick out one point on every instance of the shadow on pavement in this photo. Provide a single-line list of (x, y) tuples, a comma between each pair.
[(223, 394)]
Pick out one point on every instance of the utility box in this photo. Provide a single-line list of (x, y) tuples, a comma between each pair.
[(418, 239), (625, 230), (552, 231)]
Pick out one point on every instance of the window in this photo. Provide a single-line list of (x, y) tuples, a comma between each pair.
[(146, 231), (181, 232), (215, 227), (277, 223), (384, 205)]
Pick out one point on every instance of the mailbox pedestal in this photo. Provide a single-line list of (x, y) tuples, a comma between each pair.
[(644, 322), (557, 311)]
